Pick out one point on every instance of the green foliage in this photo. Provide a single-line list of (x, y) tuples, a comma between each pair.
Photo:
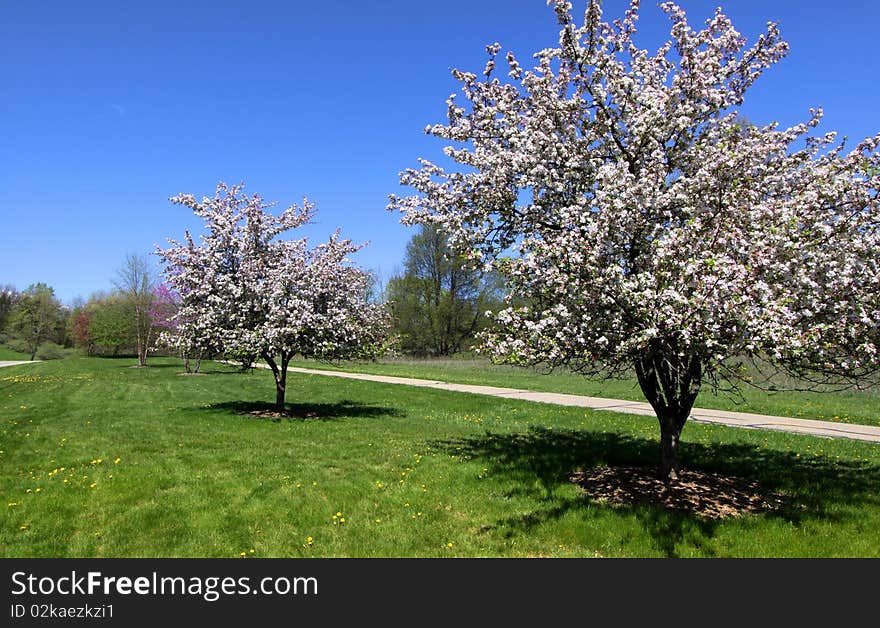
[(438, 304), (245, 359), (112, 324), (8, 299), (51, 351), (8, 353), (20, 346), (36, 318)]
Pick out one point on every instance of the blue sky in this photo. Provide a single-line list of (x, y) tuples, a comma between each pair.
[(109, 108)]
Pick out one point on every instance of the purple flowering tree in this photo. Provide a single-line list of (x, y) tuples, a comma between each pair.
[(246, 291), (175, 331), (164, 306), (648, 227)]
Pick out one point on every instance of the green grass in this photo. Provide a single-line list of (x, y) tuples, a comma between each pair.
[(8, 354), (99, 459), (861, 407)]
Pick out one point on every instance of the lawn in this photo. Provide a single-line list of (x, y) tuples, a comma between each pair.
[(8, 354), (850, 406), (99, 459)]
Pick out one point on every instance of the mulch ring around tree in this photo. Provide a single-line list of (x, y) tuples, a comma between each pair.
[(706, 495), (275, 414)]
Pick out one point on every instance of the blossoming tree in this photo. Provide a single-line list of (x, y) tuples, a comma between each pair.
[(244, 290), (175, 332), (647, 225)]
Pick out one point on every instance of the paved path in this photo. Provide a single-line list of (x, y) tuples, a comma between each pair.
[(700, 415)]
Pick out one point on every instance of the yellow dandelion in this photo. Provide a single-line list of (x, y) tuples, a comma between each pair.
[(93, 485), (252, 550), (243, 554), (378, 521), (450, 544), (117, 461), (37, 490)]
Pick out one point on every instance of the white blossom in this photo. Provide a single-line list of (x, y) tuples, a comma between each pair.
[(245, 291), (672, 232)]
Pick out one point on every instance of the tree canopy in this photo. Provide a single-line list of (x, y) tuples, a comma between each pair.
[(645, 225), (439, 302), (37, 317), (244, 290), (134, 279)]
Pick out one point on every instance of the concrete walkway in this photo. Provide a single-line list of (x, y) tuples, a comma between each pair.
[(700, 415), (15, 362)]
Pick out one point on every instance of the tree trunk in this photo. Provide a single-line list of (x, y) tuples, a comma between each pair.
[(279, 396), (139, 333), (280, 373), (670, 433), (670, 383), (145, 346)]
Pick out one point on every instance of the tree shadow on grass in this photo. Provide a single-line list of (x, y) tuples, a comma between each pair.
[(150, 366), (542, 460), (344, 409), (216, 371)]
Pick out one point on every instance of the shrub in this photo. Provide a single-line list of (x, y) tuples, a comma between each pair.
[(51, 351)]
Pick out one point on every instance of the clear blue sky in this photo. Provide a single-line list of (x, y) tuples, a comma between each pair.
[(109, 108)]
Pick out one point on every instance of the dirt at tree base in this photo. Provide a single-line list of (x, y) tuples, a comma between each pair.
[(706, 495), (275, 414)]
